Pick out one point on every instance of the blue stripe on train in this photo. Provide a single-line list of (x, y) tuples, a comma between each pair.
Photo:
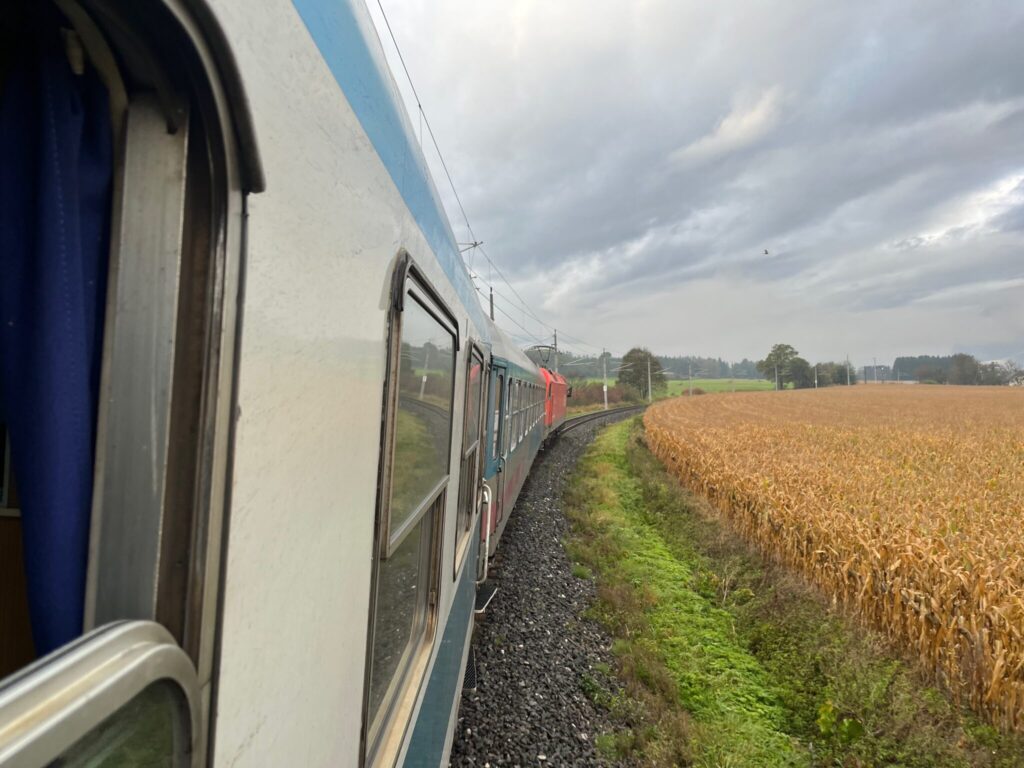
[(429, 737), (340, 33)]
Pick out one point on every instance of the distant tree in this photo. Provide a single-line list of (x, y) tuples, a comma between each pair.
[(745, 369), (1000, 374), (634, 371), (964, 370), (930, 374), (930, 368), (800, 372), (1014, 374), (778, 361), (834, 374)]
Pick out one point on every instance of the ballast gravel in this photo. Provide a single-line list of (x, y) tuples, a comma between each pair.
[(534, 648)]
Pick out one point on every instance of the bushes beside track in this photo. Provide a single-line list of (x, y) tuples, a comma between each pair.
[(586, 393)]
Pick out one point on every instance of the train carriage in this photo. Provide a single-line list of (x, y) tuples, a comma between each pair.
[(253, 408), (515, 430), (556, 391)]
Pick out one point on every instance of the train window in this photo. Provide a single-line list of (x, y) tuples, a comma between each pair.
[(469, 476), (414, 481), (426, 382), (507, 428), (148, 730), (498, 389), (122, 695), (522, 413), (515, 413)]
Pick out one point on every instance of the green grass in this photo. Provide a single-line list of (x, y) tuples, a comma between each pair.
[(728, 661), (681, 386)]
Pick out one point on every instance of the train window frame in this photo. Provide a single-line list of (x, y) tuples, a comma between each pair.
[(75, 692), (507, 418), (515, 414), (471, 467), (497, 394), (395, 535), (513, 432), (384, 725), (159, 555)]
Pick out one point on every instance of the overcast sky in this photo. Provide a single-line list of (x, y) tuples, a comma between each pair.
[(628, 162)]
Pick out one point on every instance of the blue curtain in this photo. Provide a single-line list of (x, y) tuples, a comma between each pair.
[(55, 188)]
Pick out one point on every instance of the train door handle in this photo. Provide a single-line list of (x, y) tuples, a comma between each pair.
[(485, 520)]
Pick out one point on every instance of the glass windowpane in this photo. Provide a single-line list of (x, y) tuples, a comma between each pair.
[(497, 415), (400, 612), (151, 730), (474, 389), (423, 422)]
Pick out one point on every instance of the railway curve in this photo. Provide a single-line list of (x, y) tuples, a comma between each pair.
[(533, 648)]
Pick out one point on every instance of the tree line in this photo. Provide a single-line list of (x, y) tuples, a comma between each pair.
[(785, 366), (956, 369)]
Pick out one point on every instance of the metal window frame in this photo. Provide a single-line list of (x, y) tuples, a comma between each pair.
[(177, 50), (407, 279), (394, 536), (475, 352), (495, 413), (50, 705), (471, 457)]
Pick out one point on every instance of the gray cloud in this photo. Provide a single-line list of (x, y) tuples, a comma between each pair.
[(620, 158)]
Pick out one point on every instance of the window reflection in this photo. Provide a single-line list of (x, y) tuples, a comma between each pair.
[(150, 730), (474, 391), (401, 612), (423, 421)]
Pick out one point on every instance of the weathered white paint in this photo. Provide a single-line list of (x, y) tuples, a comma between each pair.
[(322, 242)]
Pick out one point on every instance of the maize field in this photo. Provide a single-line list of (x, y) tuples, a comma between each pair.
[(904, 503)]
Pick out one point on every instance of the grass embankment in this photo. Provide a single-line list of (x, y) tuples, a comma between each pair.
[(728, 661)]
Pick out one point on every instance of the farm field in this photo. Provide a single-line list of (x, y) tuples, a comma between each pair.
[(903, 504)]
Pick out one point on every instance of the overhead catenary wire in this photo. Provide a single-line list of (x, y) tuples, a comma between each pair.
[(515, 322), (476, 243)]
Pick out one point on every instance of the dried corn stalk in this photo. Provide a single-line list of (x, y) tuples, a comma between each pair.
[(906, 504)]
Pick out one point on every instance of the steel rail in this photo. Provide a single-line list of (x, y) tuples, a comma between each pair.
[(586, 418)]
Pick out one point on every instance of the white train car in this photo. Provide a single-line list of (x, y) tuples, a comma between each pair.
[(251, 316)]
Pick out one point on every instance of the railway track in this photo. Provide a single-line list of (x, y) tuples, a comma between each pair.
[(579, 421)]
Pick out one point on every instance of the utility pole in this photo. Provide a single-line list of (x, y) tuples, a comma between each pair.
[(426, 365), (776, 377), (649, 380), (492, 305), (556, 350), (847, 370), (604, 370)]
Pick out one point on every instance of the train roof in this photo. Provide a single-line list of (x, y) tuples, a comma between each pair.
[(504, 347)]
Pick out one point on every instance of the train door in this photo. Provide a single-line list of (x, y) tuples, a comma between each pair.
[(500, 386)]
